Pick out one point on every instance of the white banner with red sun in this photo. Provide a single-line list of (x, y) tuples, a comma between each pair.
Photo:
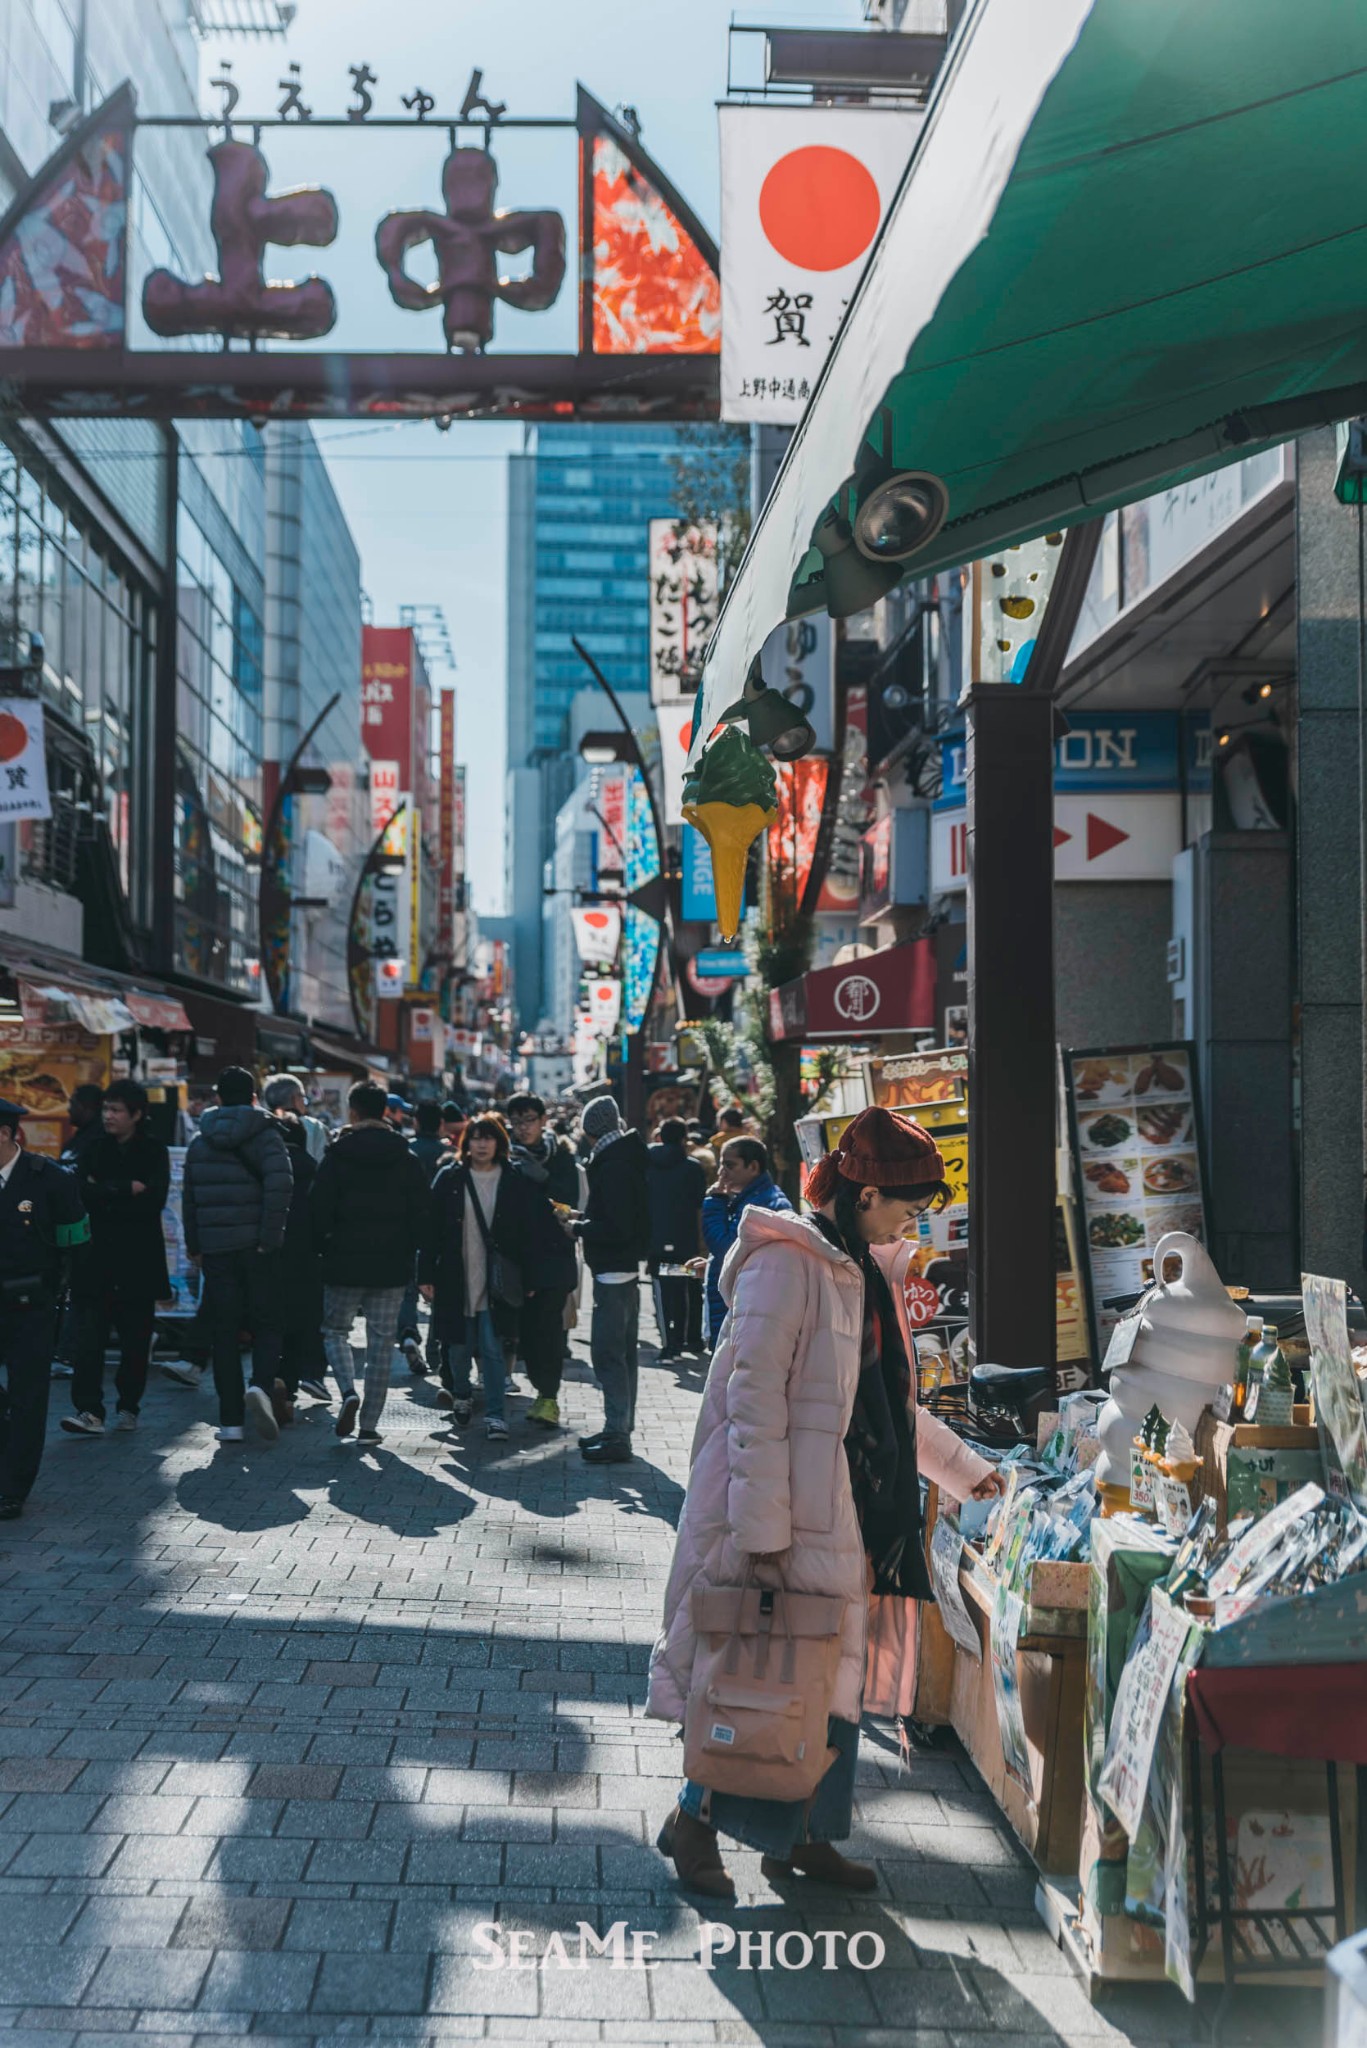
[(23, 761), (803, 190)]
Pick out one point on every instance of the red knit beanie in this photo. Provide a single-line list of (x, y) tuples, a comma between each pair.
[(879, 1150)]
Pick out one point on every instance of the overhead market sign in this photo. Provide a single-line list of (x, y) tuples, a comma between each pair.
[(75, 308)]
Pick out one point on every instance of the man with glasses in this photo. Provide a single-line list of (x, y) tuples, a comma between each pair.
[(550, 1163)]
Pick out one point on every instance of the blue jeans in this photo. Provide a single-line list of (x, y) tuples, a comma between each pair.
[(481, 1336), (776, 1826)]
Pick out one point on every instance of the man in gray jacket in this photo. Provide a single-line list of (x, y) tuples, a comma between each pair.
[(236, 1202)]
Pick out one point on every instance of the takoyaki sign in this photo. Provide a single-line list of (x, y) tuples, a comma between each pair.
[(80, 328)]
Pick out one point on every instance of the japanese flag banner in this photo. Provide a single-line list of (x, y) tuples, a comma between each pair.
[(596, 933), (803, 194), (23, 761), (604, 1006)]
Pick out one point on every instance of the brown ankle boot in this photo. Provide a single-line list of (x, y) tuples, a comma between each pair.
[(824, 1864), (695, 1855)]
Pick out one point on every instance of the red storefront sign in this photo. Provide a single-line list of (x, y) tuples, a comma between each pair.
[(387, 696), (889, 991)]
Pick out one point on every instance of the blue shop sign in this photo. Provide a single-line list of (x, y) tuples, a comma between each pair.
[(719, 963), (698, 903), (1107, 753)]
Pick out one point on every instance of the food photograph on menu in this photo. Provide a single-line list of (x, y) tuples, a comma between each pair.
[(1138, 1169)]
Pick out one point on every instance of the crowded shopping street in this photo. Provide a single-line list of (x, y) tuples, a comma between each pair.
[(281, 1727), (683, 1023)]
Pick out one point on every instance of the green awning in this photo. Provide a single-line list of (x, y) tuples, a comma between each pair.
[(1131, 246)]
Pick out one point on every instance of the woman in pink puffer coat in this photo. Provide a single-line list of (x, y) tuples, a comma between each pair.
[(805, 1460)]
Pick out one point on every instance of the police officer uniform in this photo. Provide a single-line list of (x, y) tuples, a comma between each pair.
[(43, 1225)]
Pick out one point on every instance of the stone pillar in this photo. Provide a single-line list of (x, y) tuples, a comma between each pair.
[(1329, 826)]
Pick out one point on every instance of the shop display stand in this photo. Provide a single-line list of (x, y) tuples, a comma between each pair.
[(1240, 1956)]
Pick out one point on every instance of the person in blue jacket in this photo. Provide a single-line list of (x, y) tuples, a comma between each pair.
[(743, 1178)]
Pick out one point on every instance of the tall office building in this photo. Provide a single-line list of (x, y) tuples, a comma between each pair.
[(313, 654), (580, 498)]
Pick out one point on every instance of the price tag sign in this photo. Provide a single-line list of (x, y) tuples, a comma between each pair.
[(1124, 1337)]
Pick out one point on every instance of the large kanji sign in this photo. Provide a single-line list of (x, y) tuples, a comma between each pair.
[(649, 297)]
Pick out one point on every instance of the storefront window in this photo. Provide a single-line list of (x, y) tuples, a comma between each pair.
[(96, 620), (218, 752)]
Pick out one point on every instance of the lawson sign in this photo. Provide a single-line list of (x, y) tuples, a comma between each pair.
[(1108, 753)]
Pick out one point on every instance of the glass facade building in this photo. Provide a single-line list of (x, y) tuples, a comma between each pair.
[(580, 499)]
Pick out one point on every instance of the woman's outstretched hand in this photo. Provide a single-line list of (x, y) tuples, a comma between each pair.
[(995, 1482)]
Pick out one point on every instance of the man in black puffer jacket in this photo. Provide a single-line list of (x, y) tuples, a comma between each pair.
[(234, 1208), (676, 1186), (615, 1234), (369, 1208)]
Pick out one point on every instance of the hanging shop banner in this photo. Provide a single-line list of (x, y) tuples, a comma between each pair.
[(611, 821), (596, 934), (676, 737), (844, 874), (803, 193), (798, 660), (386, 780), (683, 605), (604, 1000), (387, 692), (1134, 1123), (446, 828), (793, 836), (639, 953), (23, 761), (643, 855)]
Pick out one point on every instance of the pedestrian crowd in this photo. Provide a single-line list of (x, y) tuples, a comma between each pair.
[(299, 1234)]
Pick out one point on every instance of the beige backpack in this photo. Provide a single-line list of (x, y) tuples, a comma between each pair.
[(763, 1676)]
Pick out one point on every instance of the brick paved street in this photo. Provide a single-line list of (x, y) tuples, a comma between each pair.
[(280, 1725)]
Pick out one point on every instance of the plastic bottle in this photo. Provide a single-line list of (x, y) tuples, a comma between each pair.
[(1251, 1337), (1264, 1351)]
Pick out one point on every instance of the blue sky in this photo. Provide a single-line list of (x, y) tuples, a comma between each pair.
[(428, 509)]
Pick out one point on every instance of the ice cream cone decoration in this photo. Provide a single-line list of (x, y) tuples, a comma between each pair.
[(731, 795)]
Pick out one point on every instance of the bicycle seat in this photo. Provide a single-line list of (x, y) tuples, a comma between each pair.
[(1009, 1386)]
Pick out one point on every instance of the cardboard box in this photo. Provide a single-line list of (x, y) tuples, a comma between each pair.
[(1258, 1465)]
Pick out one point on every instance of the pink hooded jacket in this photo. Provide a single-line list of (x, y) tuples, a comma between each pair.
[(768, 1470)]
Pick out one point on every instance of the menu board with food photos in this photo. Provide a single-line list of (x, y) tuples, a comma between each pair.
[(1137, 1165)]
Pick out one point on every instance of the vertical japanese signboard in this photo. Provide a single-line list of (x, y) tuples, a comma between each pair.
[(844, 872), (683, 605), (803, 194), (446, 891), (387, 695)]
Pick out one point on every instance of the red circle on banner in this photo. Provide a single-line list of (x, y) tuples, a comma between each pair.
[(686, 735), (819, 207), (597, 918), (13, 736), (922, 1300)]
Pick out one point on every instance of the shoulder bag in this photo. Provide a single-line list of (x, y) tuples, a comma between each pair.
[(764, 1674), (505, 1281)]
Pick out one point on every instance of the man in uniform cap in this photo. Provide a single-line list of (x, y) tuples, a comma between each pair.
[(43, 1226)]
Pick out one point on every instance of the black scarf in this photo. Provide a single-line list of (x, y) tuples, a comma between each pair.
[(880, 1443)]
